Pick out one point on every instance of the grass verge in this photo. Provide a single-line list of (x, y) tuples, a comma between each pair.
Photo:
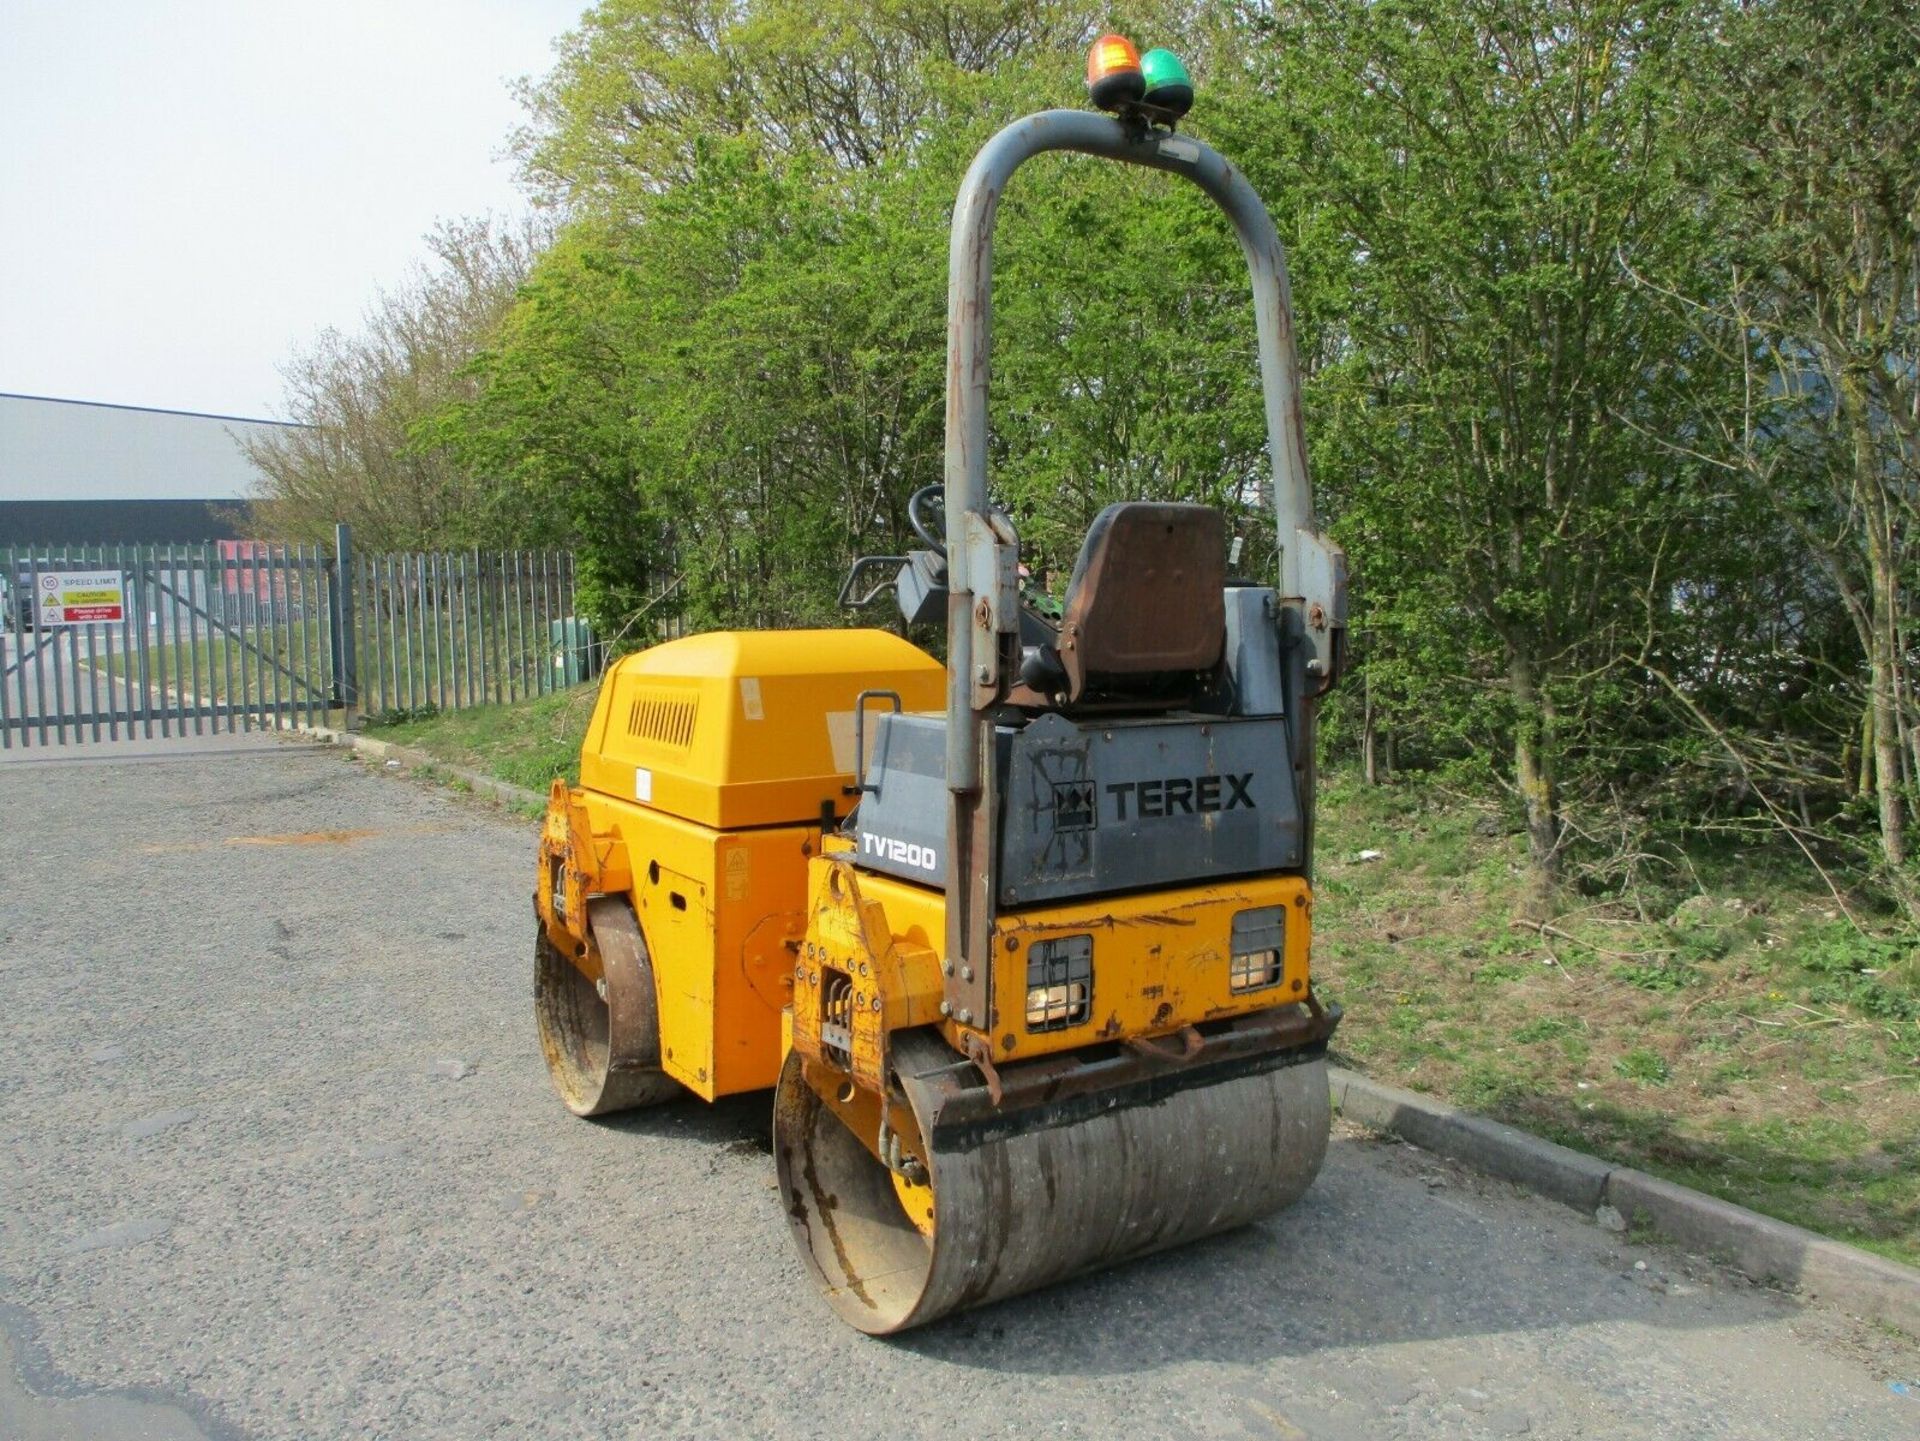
[(1740, 1037), (527, 743)]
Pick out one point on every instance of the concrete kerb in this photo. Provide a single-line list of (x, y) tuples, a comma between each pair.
[(1759, 1247), (1765, 1250), (503, 791), (1569, 1177)]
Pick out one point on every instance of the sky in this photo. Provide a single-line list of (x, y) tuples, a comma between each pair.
[(191, 191)]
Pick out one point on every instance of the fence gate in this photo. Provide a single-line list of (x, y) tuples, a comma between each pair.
[(107, 643), (116, 642)]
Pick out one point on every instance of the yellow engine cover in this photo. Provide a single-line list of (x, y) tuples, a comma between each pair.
[(703, 775), (746, 728)]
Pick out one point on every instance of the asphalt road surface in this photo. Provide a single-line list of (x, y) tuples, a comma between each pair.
[(281, 1160)]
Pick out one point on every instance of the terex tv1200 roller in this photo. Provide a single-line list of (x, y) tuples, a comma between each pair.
[(1021, 941)]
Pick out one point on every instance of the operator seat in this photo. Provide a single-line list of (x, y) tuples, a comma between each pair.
[(1145, 612)]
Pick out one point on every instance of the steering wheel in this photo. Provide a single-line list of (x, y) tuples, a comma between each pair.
[(927, 514)]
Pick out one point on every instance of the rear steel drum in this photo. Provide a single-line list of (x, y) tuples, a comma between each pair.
[(601, 1037)]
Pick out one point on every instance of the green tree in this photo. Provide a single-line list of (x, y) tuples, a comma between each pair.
[(642, 84), (1805, 117), (1472, 177), (369, 402), (749, 301)]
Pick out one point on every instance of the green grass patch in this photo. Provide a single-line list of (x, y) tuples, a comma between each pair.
[(1644, 1066), (1658, 977), (287, 664), (527, 743), (1734, 1033), (1547, 1028)]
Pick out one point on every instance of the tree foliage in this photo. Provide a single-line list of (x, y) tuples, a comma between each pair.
[(1490, 421), (751, 300), (371, 405), (1607, 312), (1810, 111)]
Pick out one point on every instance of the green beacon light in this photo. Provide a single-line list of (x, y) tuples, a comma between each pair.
[(1169, 87)]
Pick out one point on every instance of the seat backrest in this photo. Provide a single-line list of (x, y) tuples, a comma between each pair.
[(1146, 599)]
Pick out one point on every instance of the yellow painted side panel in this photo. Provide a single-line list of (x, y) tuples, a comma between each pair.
[(916, 914), (746, 728), (722, 914), (1161, 959)]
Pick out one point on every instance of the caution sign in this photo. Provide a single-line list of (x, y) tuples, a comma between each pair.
[(81, 597)]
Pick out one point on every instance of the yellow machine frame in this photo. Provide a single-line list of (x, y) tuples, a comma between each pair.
[(749, 916)]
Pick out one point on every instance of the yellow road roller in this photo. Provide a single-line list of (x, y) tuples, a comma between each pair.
[(1020, 941)]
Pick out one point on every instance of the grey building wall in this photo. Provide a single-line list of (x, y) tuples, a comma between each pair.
[(77, 472)]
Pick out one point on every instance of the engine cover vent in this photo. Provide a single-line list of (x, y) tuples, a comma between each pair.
[(663, 718)]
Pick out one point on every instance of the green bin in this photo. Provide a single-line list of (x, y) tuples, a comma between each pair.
[(570, 641)]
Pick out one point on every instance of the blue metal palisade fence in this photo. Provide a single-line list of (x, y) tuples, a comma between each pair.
[(224, 636)]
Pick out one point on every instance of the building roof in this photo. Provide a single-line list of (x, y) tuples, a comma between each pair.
[(82, 450)]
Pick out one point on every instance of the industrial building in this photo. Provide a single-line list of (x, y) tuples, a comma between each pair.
[(76, 472)]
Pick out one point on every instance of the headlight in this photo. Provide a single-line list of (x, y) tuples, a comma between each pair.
[(1259, 948), (1059, 983)]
